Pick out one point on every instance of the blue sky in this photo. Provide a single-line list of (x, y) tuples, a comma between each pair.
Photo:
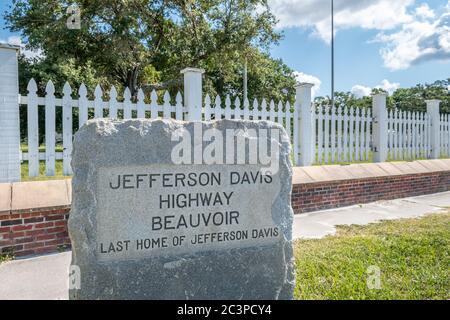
[(385, 43)]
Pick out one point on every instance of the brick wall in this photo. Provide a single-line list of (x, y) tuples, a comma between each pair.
[(42, 231), (25, 230), (332, 194)]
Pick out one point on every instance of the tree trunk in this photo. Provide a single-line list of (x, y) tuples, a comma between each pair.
[(132, 80)]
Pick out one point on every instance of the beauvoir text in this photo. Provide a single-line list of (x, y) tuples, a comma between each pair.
[(210, 198)]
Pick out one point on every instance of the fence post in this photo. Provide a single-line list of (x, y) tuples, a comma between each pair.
[(380, 127), (9, 114), (193, 92), (305, 138), (433, 112)]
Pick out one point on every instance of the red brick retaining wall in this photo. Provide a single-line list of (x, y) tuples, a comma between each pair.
[(42, 231), (33, 215), (333, 194)]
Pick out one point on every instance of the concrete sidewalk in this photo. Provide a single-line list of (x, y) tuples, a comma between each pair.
[(46, 277), (316, 225)]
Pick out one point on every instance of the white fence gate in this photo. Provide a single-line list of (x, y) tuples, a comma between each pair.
[(319, 134), (342, 134), (409, 135), (445, 135)]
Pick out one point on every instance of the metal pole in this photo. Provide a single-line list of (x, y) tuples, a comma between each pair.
[(332, 54)]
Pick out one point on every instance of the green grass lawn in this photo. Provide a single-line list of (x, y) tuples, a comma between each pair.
[(58, 172), (413, 256), (24, 148)]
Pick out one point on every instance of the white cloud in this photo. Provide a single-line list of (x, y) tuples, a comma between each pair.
[(425, 12), (416, 42), (315, 14), (388, 86), (15, 40), (303, 77), (410, 31), (360, 91)]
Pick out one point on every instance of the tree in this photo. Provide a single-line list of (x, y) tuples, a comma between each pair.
[(124, 40), (407, 99), (413, 99)]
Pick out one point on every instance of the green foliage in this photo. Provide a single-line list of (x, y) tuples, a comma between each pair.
[(413, 99), (143, 42), (150, 75), (58, 172), (411, 254), (5, 257), (146, 43), (406, 99)]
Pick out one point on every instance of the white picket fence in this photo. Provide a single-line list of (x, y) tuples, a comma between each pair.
[(445, 135), (319, 135), (409, 135), (126, 109), (342, 134), (339, 135)]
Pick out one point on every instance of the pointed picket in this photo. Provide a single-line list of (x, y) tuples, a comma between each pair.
[(394, 135), (50, 129), (179, 106), (422, 135), (448, 135), (390, 126), (140, 104), (295, 135), (314, 135), (166, 108), (154, 104), (246, 111), (352, 134), (113, 103), (67, 128), (409, 121), (272, 111), (227, 107), (357, 134), (403, 135), (428, 136), (320, 132), (333, 135), (326, 134), (98, 101), (82, 105), (288, 120), (280, 113), (367, 134), (217, 108), (339, 134), (237, 108), (33, 130), (414, 135), (255, 111), (127, 105), (207, 108), (264, 109), (346, 134)]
